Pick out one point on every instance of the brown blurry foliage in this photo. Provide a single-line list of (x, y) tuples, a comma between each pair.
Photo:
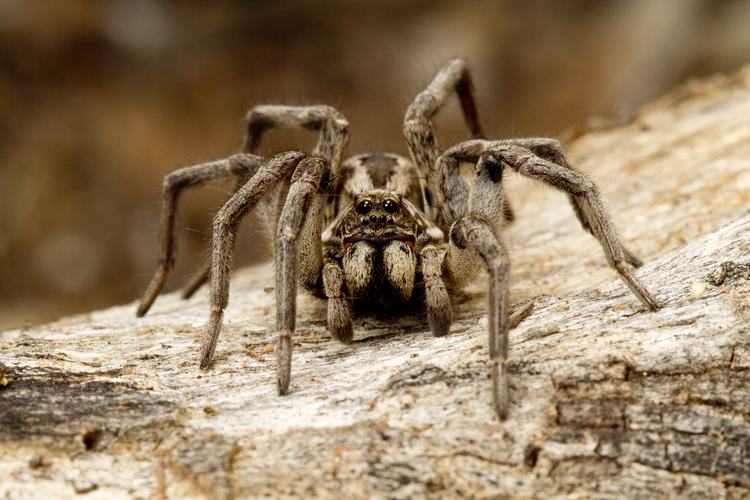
[(99, 100)]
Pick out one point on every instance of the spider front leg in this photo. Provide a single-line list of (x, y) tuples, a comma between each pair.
[(241, 166), (295, 215), (474, 234), (225, 226), (580, 189), (474, 243)]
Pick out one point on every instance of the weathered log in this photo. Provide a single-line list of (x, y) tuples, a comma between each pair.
[(606, 399)]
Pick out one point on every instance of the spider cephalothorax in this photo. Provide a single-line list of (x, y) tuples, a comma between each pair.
[(380, 226), (378, 237), (378, 217)]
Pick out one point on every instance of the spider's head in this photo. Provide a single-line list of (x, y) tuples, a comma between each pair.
[(379, 234), (379, 216)]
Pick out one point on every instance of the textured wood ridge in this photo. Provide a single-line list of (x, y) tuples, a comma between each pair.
[(606, 400)]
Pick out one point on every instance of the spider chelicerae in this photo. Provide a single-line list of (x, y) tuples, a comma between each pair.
[(382, 227)]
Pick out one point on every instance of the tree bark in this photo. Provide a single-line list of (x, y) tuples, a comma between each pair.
[(607, 400)]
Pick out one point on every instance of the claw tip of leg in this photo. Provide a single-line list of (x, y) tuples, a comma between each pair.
[(283, 383), (440, 330), (440, 321), (284, 361), (205, 362), (343, 334)]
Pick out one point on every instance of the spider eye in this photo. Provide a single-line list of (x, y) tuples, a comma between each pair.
[(390, 206), (364, 206)]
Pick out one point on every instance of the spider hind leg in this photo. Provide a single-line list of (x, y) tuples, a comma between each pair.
[(241, 167)]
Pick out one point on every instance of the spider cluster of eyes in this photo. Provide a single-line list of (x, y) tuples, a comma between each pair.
[(365, 206)]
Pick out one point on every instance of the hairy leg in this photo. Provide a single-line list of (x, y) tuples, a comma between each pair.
[(339, 313), (198, 280), (419, 131), (439, 310), (474, 234), (332, 126), (303, 192), (520, 314), (485, 202), (241, 166), (551, 150), (475, 243), (201, 277), (581, 189), (225, 226), (334, 135)]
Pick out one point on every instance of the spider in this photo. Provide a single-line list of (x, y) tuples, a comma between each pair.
[(380, 228)]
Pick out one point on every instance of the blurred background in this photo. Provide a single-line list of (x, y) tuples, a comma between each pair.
[(100, 99)]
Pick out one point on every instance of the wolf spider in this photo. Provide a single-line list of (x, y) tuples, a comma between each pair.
[(373, 226)]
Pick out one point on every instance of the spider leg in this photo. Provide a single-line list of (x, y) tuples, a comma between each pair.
[(339, 313), (295, 215), (444, 186), (226, 222), (334, 135), (475, 243), (551, 150), (581, 190), (474, 233), (332, 126), (439, 310), (485, 202), (241, 166)]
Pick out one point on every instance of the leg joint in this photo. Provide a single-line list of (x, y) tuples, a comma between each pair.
[(175, 181), (222, 223), (469, 229), (416, 128)]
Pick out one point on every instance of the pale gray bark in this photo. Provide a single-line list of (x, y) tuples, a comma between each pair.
[(606, 400)]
